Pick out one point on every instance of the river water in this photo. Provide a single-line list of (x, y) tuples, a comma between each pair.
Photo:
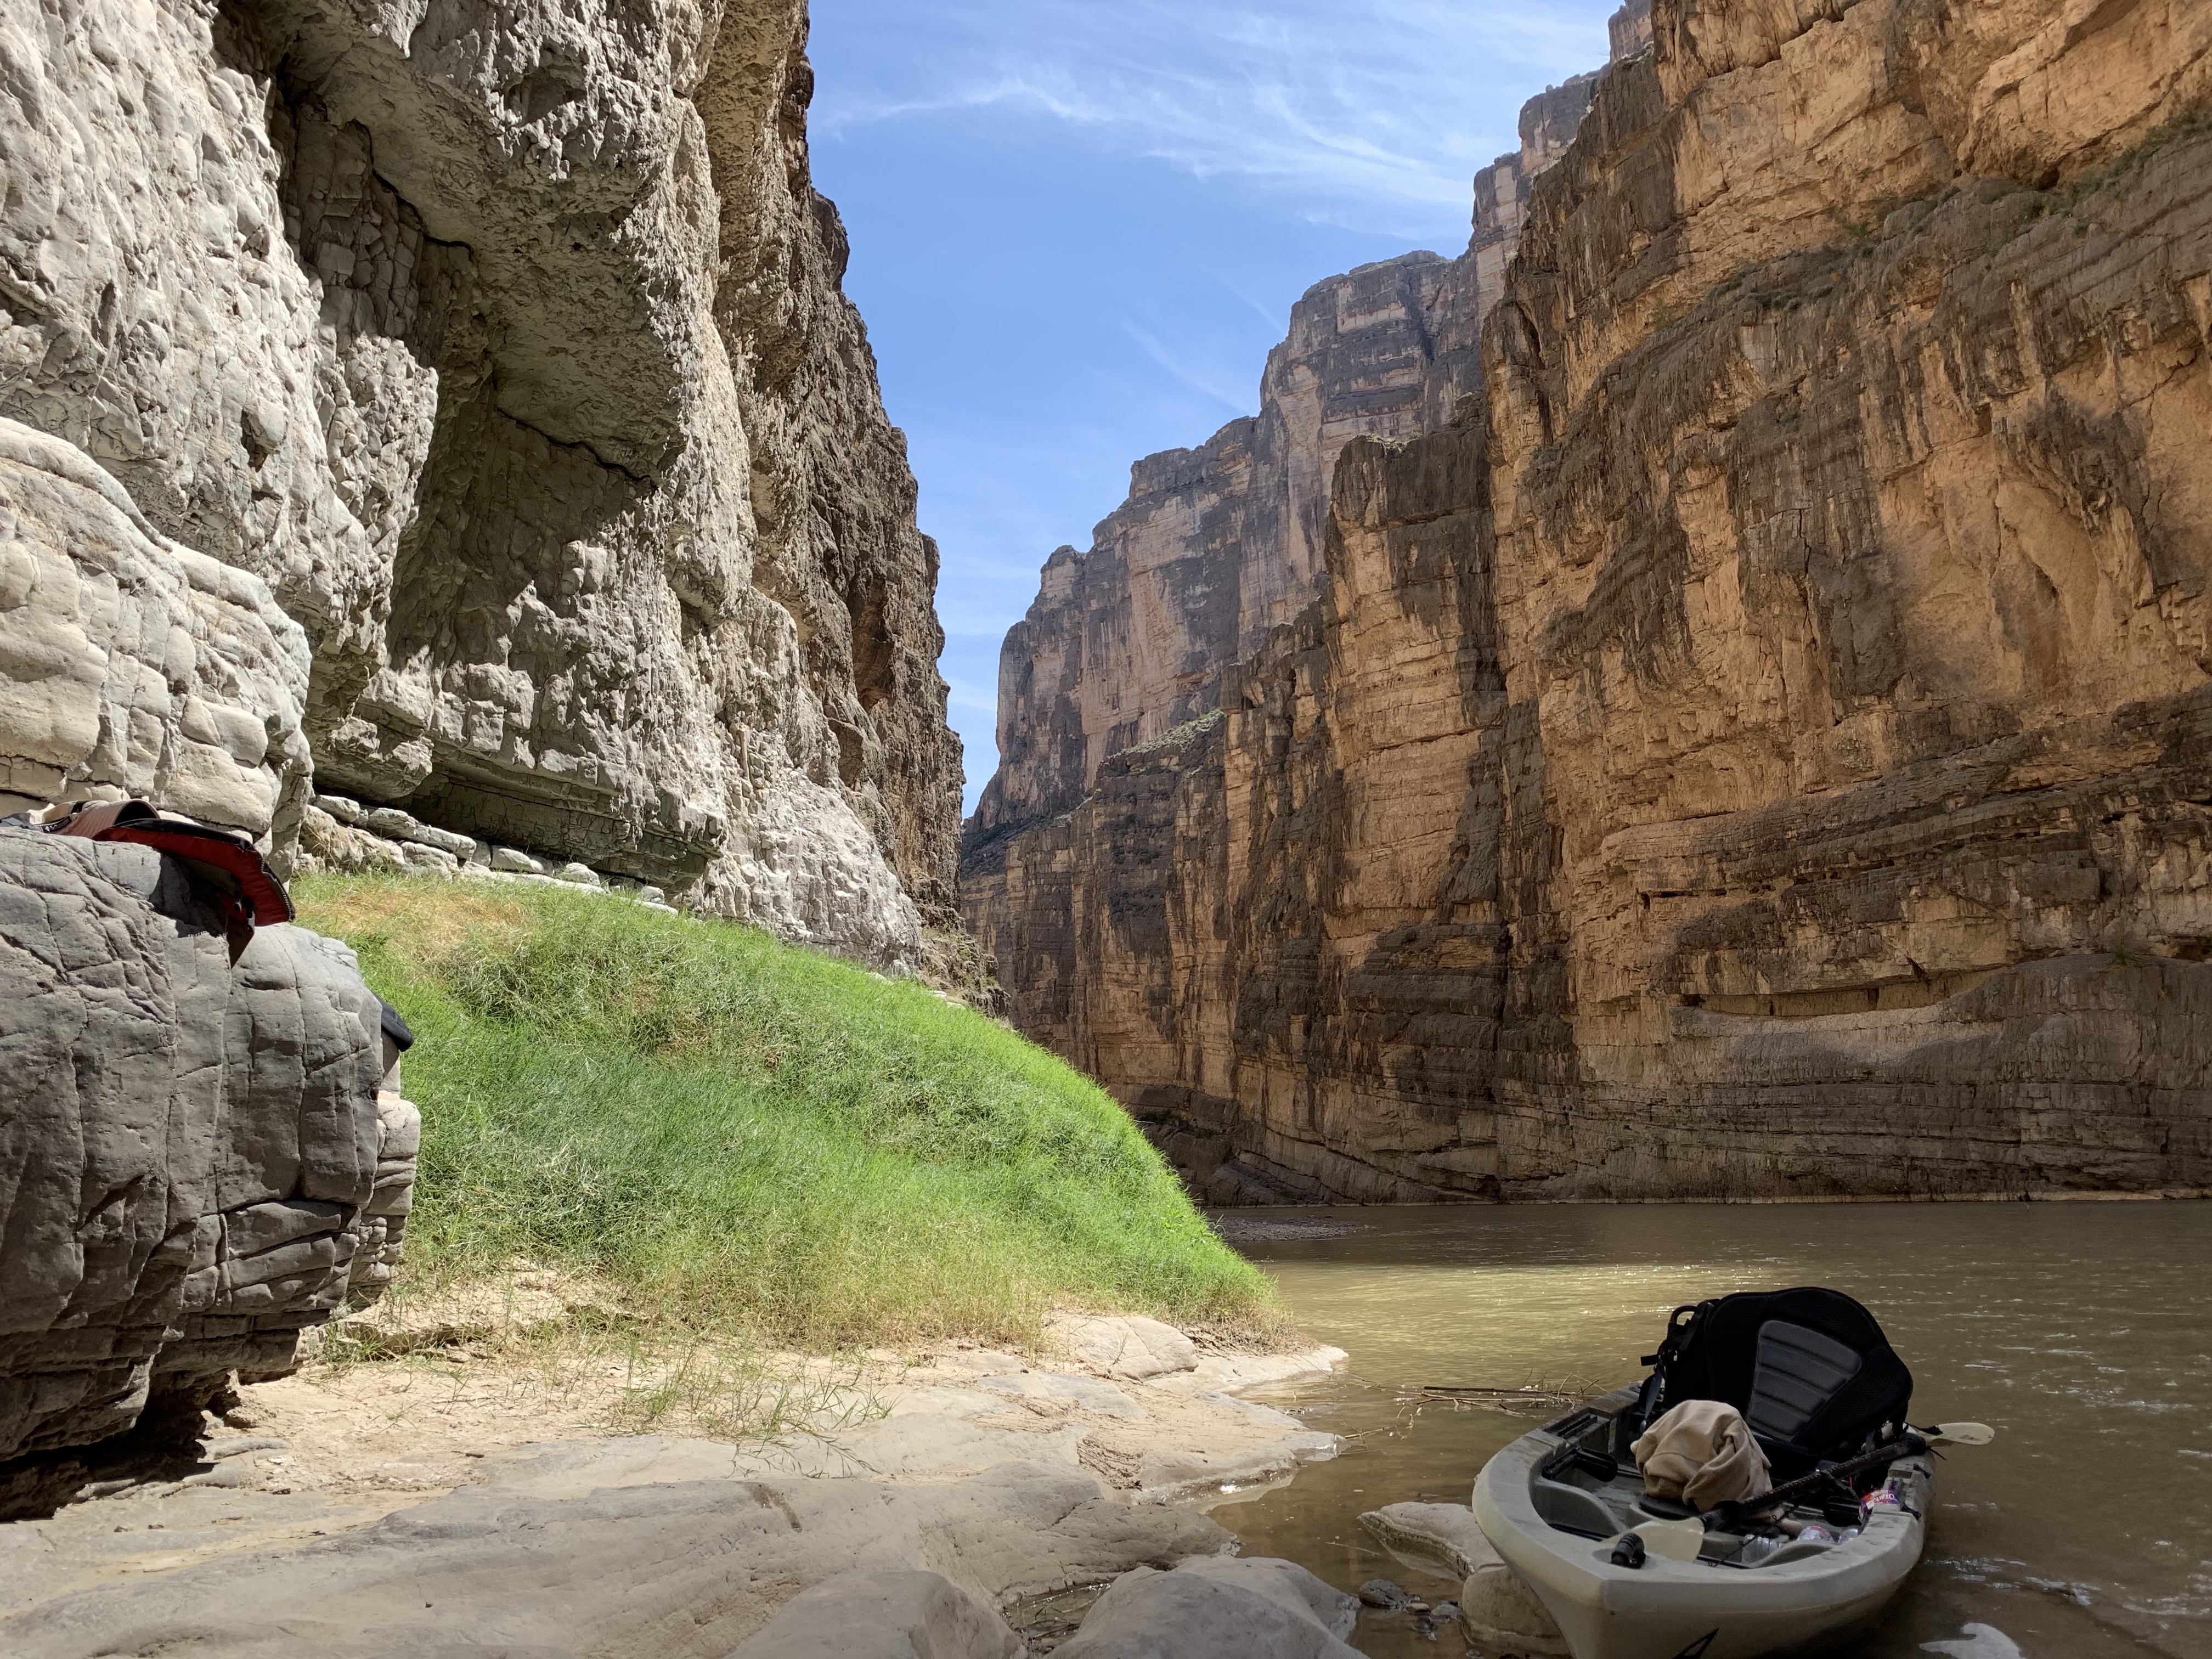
[(2083, 1331)]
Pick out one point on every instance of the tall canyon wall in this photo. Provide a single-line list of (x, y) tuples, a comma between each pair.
[(1760, 745), (499, 355)]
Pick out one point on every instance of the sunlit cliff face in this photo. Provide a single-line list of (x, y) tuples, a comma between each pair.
[(1752, 750)]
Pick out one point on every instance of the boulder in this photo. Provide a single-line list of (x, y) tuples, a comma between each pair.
[(1444, 1535), (1217, 1608), (1499, 1611), (196, 1158), (1499, 1608), (883, 1615), (131, 665), (1125, 1345)]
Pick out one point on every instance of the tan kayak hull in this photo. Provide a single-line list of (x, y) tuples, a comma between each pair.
[(1669, 1609)]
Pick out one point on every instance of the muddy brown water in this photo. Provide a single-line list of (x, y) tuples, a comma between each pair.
[(2083, 1331)]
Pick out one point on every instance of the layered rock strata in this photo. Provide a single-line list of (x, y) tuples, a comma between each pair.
[(1214, 547), (508, 350), (130, 666), (1759, 750), (203, 1156)]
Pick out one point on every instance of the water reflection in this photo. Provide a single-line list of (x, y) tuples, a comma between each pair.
[(2083, 1331)]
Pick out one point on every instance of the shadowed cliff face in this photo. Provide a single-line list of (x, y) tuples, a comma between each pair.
[(508, 346), (1760, 750)]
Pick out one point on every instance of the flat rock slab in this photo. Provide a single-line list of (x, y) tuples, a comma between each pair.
[(1432, 1535), (548, 1558), (1125, 1345)]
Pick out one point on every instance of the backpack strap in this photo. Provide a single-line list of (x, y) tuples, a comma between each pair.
[(1678, 1332), (92, 818)]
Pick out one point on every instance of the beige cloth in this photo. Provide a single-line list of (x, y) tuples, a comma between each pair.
[(1702, 1452)]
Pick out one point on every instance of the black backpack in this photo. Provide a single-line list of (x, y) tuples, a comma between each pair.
[(1809, 1368)]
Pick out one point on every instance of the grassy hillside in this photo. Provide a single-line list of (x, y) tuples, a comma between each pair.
[(745, 1134)]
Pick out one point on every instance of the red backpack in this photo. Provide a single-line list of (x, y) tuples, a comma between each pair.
[(224, 865)]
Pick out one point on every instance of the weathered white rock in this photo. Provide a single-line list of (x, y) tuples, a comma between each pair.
[(883, 1615), (325, 842), (427, 860), (601, 1548), (1445, 1535), (507, 859), (601, 541), (1125, 1344), (130, 664), (1091, 1394), (1498, 1609), (396, 825), (1217, 1609), (144, 1261)]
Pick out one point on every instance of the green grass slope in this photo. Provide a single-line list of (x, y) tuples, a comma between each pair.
[(746, 1135)]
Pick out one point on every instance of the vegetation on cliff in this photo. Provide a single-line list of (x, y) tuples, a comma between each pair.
[(739, 1132)]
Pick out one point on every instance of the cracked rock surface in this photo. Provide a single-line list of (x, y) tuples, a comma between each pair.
[(924, 1499), (199, 1158)]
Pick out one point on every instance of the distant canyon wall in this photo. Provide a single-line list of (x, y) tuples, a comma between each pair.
[(1216, 546), (506, 351), (1761, 746)]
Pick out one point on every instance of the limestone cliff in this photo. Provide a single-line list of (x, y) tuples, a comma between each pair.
[(506, 348), (1216, 545), (1760, 747)]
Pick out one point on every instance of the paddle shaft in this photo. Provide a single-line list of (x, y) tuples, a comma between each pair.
[(1906, 1445)]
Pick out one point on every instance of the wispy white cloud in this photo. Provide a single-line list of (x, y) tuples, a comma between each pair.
[(1239, 398), (1340, 102)]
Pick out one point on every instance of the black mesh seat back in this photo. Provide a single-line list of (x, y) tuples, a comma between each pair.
[(1809, 1368)]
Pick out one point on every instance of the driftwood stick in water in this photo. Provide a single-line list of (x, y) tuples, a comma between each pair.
[(1534, 1396)]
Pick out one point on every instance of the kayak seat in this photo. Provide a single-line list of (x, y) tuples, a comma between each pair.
[(1798, 1370), (1809, 1368), (1664, 1509)]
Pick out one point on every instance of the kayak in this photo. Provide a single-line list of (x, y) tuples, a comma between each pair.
[(1628, 1574)]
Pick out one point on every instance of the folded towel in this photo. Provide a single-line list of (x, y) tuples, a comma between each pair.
[(1702, 1452)]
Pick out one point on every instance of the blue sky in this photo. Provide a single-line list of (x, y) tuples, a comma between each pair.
[(1077, 228)]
